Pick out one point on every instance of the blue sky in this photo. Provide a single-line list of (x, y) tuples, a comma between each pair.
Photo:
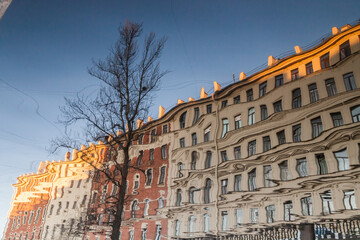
[(46, 47)]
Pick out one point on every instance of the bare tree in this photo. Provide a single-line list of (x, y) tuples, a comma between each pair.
[(129, 75)]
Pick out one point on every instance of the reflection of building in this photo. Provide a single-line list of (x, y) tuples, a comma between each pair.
[(278, 148)]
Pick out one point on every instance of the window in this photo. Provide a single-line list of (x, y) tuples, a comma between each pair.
[(207, 134), (355, 113), (182, 142), (140, 138), (224, 103), (239, 217), (252, 178), (321, 162), (349, 200), (193, 139), (178, 197), (262, 89), (330, 87), (337, 119), (268, 176), (163, 151), (140, 157), (238, 121), (114, 190), (281, 137), (237, 183), (264, 112), (131, 235), (161, 203), (306, 206), (254, 214), (207, 191), (182, 120), (224, 156), (225, 123), (193, 160), (294, 74), (151, 154), (270, 214), (237, 152), (284, 171), (153, 135), (345, 50), (224, 184), (208, 159), (316, 127), (224, 220), (249, 95), (206, 222), (296, 130), (266, 143), (165, 128), (252, 148), (143, 233), (191, 224), (146, 208), (288, 210), (237, 99), (177, 227), (278, 106), (296, 98), (209, 108), (279, 80), (301, 167), (196, 115), (309, 68), (162, 175), (133, 209), (349, 82), (148, 177), (136, 181), (192, 195), (342, 159), (324, 61), (158, 232), (251, 116), (180, 168), (327, 203), (313, 92)]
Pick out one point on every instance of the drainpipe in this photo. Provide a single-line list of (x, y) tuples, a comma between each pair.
[(216, 166)]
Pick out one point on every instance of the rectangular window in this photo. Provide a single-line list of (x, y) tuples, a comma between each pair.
[(266, 143), (264, 112), (224, 157), (239, 217), (262, 89), (349, 81), (224, 184), (182, 142), (238, 121), (345, 50), (278, 106), (349, 200), (327, 203), (296, 98), (252, 180), (251, 114), (252, 148), (337, 119), (162, 175), (224, 103), (324, 61), (237, 99), (342, 159), (281, 137), (279, 80), (301, 167), (268, 176), (237, 152), (207, 134), (355, 113), (270, 214), (153, 135), (296, 133), (254, 215), (209, 108), (225, 123), (165, 128), (316, 125), (306, 206), (309, 68), (330, 87), (151, 154), (196, 115), (288, 210), (249, 95), (237, 183), (163, 151), (284, 171), (321, 162), (294, 74), (140, 157), (313, 92), (193, 139), (224, 220)]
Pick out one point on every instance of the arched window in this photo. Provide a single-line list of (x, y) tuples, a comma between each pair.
[(207, 191), (178, 197), (251, 116), (148, 177), (191, 224), (180, 168), (208, 159), (206, 222), (193, 160), (133, 209), (192, 194), (182, 120), (161, 203), (146, 209), (177, 227)]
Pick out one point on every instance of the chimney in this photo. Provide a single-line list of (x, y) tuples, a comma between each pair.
[(217, 87), (203, 94), (161, 111), (242, 76)]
